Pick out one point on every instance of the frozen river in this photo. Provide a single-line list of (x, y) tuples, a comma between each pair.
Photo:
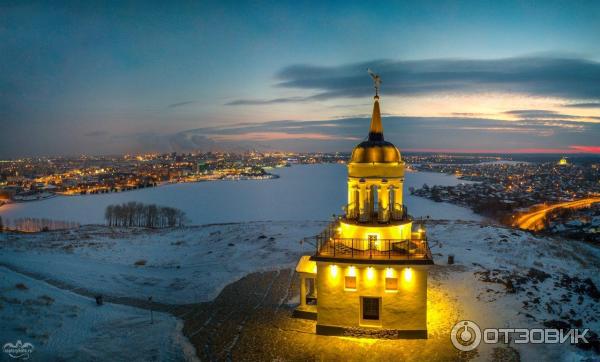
[(303, 192)]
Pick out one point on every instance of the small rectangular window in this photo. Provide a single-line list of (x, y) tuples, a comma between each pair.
[(370, 308), (391, 283), (350, 283)]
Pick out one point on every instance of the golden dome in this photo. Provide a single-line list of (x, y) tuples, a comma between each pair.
[(375, 149)]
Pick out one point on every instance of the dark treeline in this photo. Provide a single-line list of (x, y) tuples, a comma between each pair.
[(143, 215)]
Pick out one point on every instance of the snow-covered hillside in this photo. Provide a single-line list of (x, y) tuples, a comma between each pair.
[(501, 277), (178, 266), (65, 326), (510, 278)]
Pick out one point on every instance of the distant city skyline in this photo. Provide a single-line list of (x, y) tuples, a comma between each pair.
[(131, 77)]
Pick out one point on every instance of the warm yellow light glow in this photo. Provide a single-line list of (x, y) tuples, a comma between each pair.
[(375, 236), (370, 273), (408, 274), (351, 271), (363, 341), (354, 231), (389, 273), (442, 311), (333, 270)]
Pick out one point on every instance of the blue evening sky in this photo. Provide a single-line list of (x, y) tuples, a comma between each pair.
[(118, 76)]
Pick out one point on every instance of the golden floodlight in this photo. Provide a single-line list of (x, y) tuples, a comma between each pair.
[(370, 272), (351, 271), (408, 274), (333, 270)]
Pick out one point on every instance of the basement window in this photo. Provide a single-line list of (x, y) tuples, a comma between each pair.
[(350, 283), (370, 308)]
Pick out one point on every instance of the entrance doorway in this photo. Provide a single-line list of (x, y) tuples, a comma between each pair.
[(372, 239)]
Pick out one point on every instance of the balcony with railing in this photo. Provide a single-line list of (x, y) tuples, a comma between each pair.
[(330, 247)]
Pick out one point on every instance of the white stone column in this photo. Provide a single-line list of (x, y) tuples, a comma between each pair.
[(352, 207), (371, 201), (384, 203), (401, 192), (397, 196), (362, 195), (302, 291)]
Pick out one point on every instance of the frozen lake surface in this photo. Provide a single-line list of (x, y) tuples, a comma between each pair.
[(303, 192)]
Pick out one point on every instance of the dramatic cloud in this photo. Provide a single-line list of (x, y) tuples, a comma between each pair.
[(241, 102), (180, 104), (538, 114), (568, 150), (583, 105), (545, 114), (567, 78), (276, 136), (586, 149), (408, 133)]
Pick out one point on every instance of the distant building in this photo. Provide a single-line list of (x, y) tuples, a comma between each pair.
[(369, 271), (563, 162), (201, 167), (9, 192)]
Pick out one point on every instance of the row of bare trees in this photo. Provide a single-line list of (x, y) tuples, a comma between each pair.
[(143, 215), (33, 225)]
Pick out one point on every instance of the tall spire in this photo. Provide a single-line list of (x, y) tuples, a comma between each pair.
[(376, 129)]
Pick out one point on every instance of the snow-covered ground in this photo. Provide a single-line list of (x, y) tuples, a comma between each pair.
[(504, 278), (501, 277), (65, 326), (178, 266)]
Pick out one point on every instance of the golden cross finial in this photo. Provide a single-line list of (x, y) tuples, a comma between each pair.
[(376, 81)]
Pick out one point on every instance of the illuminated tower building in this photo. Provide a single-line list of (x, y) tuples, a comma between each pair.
[(369, 270)]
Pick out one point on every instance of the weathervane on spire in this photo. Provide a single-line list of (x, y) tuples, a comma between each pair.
[(376, 81)]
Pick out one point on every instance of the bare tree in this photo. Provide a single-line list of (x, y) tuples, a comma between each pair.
[(109, 215)]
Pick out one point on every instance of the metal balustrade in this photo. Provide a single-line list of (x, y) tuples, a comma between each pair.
[(329, 245), (373, 249)]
